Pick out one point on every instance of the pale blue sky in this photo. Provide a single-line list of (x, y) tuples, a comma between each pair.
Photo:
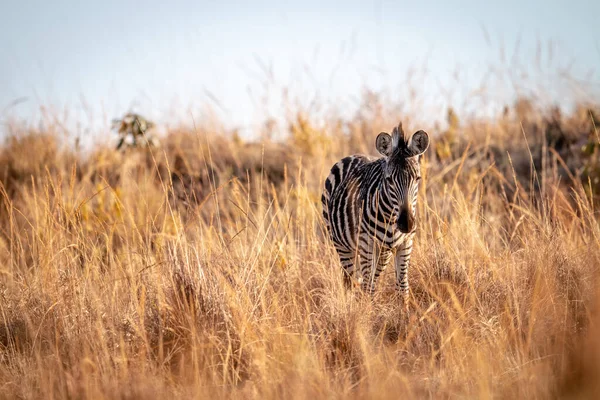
[(159, 57)]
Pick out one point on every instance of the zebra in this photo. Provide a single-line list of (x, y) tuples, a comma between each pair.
[(369, 208)]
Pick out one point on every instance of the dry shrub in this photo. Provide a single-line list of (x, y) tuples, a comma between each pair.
[(202, 269)]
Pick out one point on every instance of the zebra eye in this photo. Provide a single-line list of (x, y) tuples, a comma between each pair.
[(418, 178)]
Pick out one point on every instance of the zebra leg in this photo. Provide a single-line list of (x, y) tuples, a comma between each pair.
[(402, 260), (368, 253), (347, 261), (383, 260)]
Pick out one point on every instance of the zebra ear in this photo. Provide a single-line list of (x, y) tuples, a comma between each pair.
[(419, 142), (384, 144)]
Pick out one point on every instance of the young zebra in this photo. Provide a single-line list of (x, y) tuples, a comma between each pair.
[(369, 207)]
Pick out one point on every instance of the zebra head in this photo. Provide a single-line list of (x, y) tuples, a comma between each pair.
[(402, 173)]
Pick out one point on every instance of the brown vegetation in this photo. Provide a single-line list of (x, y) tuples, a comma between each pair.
[(200, 268)]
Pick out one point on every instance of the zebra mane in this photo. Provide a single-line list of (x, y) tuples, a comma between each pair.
[(399, 139)]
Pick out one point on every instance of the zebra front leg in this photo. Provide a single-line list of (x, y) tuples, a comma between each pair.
[(368, 254), (402, 260), (365, 260), (347, 261), (383, 260)]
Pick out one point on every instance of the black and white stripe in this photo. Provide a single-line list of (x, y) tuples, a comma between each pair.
[(369, 207)]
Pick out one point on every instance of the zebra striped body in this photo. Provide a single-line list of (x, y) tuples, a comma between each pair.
[(369, 208)]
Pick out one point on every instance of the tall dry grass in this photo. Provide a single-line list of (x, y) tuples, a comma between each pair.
[(201, 269)]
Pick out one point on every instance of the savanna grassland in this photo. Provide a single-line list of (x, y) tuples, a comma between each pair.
[(200, 268)]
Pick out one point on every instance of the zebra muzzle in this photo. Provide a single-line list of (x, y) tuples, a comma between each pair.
[(406, 221)]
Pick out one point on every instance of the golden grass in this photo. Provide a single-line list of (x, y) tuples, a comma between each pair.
[(114, 286)]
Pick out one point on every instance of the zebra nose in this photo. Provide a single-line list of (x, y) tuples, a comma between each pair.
[(406, 222)]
